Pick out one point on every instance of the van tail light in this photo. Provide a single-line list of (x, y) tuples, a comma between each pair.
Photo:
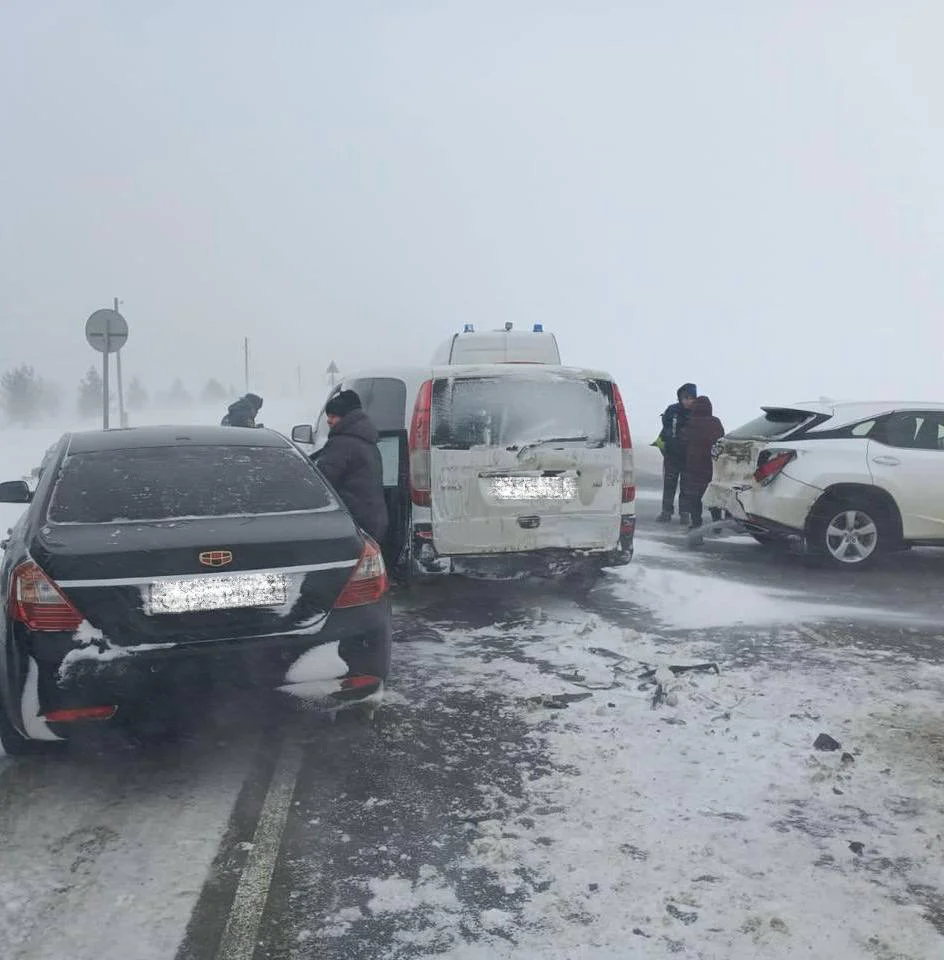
[(626, 445), (771, 463), (420, 468), (36, 602), (368, 582)]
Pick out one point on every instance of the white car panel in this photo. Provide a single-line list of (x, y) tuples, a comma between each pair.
[(915, 478)]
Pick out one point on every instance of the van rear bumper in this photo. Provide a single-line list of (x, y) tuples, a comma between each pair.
[(547, 562)]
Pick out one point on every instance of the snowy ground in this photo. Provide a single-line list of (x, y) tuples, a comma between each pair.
[(529, 790)]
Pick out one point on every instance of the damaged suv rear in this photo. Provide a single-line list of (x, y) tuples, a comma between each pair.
[(850, 480)]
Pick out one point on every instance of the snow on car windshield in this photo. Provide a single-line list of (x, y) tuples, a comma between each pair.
[(157, 483), (508, 411)]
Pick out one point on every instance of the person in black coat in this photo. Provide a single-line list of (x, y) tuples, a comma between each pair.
[(673, 450), (351, 463), (243, 412)]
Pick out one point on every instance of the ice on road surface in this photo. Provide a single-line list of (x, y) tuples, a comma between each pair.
[(712, 828)]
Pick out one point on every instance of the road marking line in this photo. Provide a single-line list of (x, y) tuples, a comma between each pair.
[(812, 634), (242, 928)]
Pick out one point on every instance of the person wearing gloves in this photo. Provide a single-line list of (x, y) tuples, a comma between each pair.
[(673, 451), (351, 463)]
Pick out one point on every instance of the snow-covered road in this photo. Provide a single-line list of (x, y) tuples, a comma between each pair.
[(540, 784)]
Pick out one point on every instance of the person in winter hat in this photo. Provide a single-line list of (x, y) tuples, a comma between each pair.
[(673, 450), (243, 412), (699, 434), (351, 463)]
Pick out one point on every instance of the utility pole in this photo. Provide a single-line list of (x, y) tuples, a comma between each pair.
[(246, 360), (122, 416)]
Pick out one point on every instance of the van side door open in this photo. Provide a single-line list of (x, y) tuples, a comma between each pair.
[(394, 452)]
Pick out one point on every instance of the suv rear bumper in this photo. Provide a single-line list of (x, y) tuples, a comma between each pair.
[(781, 508)]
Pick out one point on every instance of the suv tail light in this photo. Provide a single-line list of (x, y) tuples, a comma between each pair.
[(626, 445), (770, 463), (368, 582), (420, 469), (36, 601)]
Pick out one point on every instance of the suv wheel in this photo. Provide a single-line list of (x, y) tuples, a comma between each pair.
[(847, 534)]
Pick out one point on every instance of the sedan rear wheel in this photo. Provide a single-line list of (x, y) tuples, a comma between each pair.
[(13, 742), (848, 535)]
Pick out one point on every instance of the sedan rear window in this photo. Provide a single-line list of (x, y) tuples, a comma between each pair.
[(160, 483), (773, 425), (509, 412)]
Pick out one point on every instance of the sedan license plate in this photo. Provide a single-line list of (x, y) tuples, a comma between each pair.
[(533, 488), (231, 592)]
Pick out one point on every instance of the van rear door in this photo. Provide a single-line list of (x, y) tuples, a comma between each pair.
[(524, 462)]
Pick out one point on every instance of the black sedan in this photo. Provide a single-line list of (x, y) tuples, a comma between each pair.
[(150, 554)]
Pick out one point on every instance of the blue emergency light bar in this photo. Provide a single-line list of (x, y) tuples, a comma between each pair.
[(468, 328), (539, 328)]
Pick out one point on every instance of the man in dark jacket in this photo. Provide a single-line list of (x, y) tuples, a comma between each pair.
[(673, 450), (351, 463), (243, 412), (699, 435)]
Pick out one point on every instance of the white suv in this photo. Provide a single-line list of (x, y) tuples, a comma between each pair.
[(853, 480)]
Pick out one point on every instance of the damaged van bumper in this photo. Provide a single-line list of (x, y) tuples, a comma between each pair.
[(548, 562)]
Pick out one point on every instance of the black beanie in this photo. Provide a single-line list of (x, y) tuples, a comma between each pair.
[(687, 390), (347, 401)]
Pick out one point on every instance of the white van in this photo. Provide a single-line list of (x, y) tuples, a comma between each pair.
[(499, 346), (497, 469)]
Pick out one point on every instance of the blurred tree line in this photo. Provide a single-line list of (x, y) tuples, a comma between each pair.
[(27, 398)]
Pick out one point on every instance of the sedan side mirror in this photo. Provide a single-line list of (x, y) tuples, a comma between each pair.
[(303, 434), (15, 491)]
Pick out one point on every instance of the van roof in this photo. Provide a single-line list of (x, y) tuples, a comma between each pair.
[(520, 371)]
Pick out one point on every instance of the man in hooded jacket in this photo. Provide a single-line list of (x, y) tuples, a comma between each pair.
[(243, 412), (673, 450), (699, 435), (351, 463)]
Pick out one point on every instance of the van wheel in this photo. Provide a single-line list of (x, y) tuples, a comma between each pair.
[(849, 534)]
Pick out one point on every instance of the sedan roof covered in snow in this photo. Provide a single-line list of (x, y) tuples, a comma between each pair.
[(170, 436)]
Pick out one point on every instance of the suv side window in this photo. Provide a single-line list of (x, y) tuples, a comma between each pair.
[(918, 430)]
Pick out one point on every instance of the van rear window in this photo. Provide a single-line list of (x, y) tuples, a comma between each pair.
[(773, 425), (511, 411)]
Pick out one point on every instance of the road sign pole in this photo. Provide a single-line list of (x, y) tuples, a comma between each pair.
[(107, 330), (105, 382), (122, 416)]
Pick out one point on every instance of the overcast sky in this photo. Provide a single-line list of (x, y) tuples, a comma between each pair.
[(748, 195)]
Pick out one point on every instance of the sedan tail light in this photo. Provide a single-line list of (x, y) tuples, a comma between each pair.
[(368, 582), (36, 601), (770, 464)]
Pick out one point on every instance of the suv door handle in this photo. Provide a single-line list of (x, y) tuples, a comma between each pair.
[(887, 461)]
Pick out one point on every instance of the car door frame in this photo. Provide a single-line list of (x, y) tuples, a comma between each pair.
[(903, 472)]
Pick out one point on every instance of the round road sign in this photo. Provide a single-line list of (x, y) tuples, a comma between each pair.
[(106, 327)]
